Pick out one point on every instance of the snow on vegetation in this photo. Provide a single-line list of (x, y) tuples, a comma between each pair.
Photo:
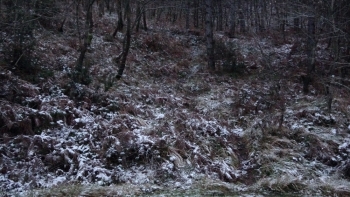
[(169, 124)]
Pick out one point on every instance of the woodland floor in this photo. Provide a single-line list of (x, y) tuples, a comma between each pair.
[(169, 123)]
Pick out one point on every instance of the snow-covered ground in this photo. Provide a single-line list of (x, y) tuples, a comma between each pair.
[(169, 123)]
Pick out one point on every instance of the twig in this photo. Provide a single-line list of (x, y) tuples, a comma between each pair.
[(16, 64), (339, 84)]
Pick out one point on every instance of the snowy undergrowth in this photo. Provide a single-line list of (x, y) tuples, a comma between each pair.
[(170, 124)]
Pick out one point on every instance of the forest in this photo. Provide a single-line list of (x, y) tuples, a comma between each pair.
[(174, 98)]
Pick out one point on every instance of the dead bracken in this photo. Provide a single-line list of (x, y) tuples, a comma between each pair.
[(168, 122)]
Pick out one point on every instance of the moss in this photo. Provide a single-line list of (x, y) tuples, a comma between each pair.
[(46, 73), (58, 115), (89, 39)]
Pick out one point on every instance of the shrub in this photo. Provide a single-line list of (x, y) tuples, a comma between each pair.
[(82, 74), (226, 55), (18, 41)]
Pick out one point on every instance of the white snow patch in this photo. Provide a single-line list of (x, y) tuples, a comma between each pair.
[(159, 116), (59, 180), (334, 131), (238, 131), (296, 126), (344, 145)]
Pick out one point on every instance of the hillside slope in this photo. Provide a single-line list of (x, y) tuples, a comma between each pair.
[(169, 123)]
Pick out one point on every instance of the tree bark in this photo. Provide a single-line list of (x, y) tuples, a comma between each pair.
[(101, 8), (241, 17), (196, 14), (144, 18), (107, 5), (138, 16), (219, 16), (232, 28), (120, 23), (188, 10), (87, 41), (126, 42), (209, 33), (310, 52)]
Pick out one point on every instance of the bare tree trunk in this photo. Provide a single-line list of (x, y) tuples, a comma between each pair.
[(188, 10), (256, 17), (335, 40), (296, 18), (101, 8), (159, 13), (209, 33), (111, 6), (144, 17), (169, 13), (282, 21), (79, 76), (310, 52), (203, 16), (296, 22), (219, 16), (60, 28), (264, 15), (107, 5), (77, 20), (232, 28), (241, 21), (153, 13), (283, 28), (121, 60), (241, 17), (261, 14), (138, 16), (196, 14), (120, 23), (174, 14), (226, 16)]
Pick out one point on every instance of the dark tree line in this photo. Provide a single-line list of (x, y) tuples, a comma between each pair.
[(312, 20)]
